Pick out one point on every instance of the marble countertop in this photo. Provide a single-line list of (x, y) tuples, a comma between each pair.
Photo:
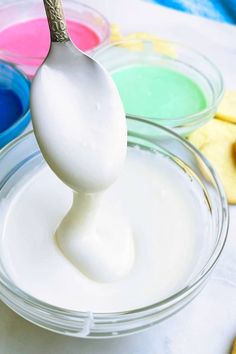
[(208, 324)]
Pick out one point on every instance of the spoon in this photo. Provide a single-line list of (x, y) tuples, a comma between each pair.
[(74, 103), (80, 126)]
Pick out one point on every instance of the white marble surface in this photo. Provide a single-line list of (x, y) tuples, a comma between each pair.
[(208, 324)]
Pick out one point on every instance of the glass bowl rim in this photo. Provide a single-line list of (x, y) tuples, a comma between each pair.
[(179, 120), (25, 114), (17, 3), (126, 315)]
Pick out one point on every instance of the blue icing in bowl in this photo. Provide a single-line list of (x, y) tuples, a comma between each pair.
[(14, 102)]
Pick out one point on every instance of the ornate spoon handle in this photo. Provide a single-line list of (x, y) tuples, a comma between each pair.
[(56, 20)]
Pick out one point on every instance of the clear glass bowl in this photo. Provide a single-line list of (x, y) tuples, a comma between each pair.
[(23, 155), (171, 55), (24, 10)]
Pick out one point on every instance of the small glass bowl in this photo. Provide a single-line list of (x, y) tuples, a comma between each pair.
[(23, 155), (24, 10), (171, 55), (13, 79)]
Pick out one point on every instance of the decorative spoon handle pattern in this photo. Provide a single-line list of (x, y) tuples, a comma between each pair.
[(56, 20)]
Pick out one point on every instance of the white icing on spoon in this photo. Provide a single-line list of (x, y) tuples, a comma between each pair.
[(80, 126)]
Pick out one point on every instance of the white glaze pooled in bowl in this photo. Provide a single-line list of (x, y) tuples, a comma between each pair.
[(165, 211)]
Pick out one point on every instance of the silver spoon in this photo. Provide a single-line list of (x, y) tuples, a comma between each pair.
[(72, 93), (80, 126)]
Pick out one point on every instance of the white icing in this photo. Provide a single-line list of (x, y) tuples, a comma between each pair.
[(164, 212), (80, 125)]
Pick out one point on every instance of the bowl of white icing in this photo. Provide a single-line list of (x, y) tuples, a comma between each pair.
[(178, 214)]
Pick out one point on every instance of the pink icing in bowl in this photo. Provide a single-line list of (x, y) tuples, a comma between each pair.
[(24, 34)]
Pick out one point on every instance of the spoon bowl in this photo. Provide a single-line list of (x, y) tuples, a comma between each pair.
[(73, 96)]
